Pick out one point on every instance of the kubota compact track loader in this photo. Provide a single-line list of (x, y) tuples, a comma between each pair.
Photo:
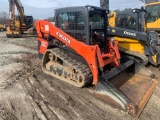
[(78, 51)]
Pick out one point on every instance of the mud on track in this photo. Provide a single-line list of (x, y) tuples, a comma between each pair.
[(26, 93)]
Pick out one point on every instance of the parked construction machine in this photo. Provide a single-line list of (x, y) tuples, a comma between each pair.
[(153, 17), (128, 28), (2, 27), (21, 23), (77, 50)]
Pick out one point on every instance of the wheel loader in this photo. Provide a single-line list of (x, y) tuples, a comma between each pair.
[(78, 51), (128, 27)]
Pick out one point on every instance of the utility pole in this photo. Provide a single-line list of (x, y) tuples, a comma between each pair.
[(104, 4)]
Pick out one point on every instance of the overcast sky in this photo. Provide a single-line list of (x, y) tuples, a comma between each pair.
[(114, 4), (42, 9)]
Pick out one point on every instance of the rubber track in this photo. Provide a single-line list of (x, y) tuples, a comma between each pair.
[(78, 66), (143, 58)]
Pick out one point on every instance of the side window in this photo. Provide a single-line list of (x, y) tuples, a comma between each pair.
[(71, 21), (120, 20), (152, 13), (126, 21), (130, 22), (62, 20), (80, 21), (155, 11)]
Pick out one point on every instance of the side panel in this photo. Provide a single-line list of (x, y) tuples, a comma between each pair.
[(112, 20), (130, 44), (154, 25)]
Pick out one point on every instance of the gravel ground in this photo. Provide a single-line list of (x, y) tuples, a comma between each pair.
[(29, 94)]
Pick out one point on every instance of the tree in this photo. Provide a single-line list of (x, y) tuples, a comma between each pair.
[(127, 9), (4, 17), (51, 19), (117, 10)]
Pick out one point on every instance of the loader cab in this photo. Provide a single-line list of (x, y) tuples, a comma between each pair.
[(131, 19), (86, 24), (29, 21), (153, 16)]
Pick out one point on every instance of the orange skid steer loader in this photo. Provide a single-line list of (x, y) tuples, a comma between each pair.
[(81, 53)]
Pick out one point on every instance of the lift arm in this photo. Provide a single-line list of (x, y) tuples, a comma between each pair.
[(18, 4)]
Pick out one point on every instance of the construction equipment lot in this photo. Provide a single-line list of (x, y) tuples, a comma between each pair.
[(26, 93)]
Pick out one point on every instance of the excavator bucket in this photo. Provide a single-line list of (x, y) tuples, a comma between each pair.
[(129, 86)]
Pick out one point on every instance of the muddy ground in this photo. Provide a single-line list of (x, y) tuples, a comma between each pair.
[(26, 93)]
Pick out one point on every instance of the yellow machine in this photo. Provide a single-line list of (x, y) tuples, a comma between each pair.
[(2, 28), (18, 24), (131, 37), (153, 17)]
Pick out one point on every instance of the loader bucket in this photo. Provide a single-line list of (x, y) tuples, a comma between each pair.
[(129, 86)]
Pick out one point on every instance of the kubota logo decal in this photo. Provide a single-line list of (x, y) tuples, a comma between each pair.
[(63, 37), (46, 27), (129, 33), (44, 44)]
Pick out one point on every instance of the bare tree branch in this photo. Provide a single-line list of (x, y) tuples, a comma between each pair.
[(3, 17)]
